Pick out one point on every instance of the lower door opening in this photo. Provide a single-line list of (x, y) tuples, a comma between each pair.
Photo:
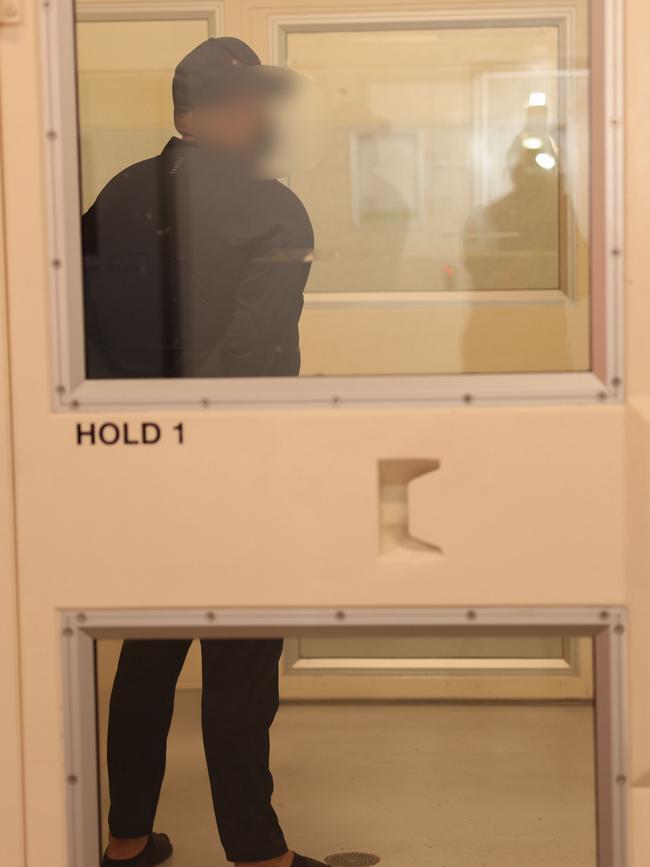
[(365, 738)]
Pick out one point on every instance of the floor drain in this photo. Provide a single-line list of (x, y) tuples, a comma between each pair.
[(352, 859)]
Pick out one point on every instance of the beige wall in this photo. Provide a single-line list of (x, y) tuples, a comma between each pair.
[(532, 497), (119, 131)]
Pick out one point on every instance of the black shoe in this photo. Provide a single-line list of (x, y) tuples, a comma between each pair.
[(157, 850), (303, 861)]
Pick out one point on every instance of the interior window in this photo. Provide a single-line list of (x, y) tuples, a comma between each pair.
[(398, 199)]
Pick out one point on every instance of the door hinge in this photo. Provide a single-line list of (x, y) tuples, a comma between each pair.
[(11, 11)]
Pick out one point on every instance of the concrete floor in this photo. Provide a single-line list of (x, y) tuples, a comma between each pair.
[(418, 785)]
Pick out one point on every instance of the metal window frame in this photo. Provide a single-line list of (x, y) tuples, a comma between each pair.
[(298, 664), (603, 383), (211, 11), (560, 18), (81, 628)]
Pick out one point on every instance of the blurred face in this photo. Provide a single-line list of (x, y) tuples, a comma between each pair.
[(241, 126)]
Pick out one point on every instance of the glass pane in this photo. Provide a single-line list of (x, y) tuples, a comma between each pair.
[(399, 200), (443, 159)]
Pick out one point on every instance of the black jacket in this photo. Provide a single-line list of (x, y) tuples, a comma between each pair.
[(192, 267)]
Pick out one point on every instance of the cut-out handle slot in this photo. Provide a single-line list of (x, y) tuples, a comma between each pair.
[(395, 530)]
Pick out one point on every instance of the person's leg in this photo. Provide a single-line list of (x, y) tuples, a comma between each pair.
[(140, 714), (240, 700)]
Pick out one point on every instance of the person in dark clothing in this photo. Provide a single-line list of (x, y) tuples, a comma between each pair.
[(195, 267)]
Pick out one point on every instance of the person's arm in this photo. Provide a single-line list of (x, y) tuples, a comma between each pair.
[(262, 337)]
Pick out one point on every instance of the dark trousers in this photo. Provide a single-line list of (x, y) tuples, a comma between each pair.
[(239, 703)]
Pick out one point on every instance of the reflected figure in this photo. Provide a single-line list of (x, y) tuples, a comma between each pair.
[(515, 243), (194, 266)]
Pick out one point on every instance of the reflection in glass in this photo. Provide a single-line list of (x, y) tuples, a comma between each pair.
[(476, 781), (513, 242), (444, 105), (442, 169)]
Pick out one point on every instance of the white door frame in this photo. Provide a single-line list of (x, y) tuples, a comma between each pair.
[(81, 629)]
